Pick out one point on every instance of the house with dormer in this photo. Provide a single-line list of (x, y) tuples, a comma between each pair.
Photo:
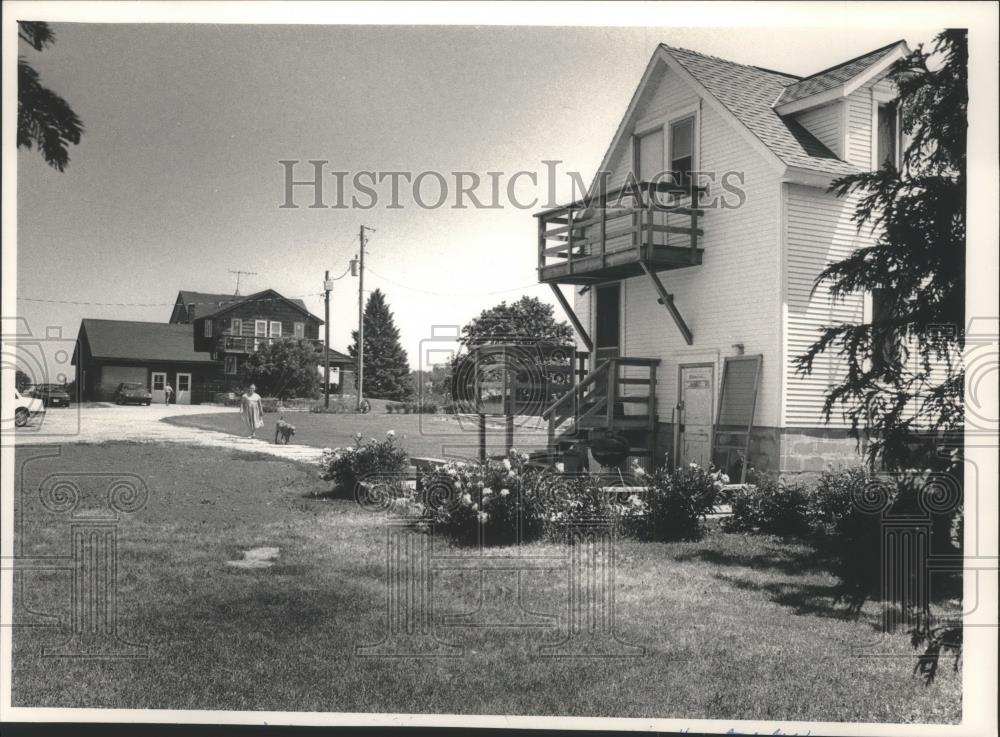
[(200, 351), (688, 270)]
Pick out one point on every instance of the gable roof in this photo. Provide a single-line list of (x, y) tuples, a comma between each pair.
[(747, 92), (746, 95), (141, 341), (208, 303), (232, 302), (835, 76)]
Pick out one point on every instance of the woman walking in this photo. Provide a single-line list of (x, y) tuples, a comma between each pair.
[(252, 410)]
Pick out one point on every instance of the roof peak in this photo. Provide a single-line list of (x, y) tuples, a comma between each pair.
[(853, 59), (793, 77)]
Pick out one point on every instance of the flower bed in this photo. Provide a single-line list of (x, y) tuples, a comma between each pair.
[(367, 461)]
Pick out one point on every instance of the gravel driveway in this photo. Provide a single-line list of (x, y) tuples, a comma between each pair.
[(97, 423)]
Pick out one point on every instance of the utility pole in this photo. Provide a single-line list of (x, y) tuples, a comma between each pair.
[(327, 287), (361, 312), (238, 274)]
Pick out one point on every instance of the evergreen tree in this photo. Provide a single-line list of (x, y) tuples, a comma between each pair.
[(894, 392), (387, 370)]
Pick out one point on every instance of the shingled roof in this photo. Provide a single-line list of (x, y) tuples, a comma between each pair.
[(834, 76), (748, 93), (141, 341), (207, 303)]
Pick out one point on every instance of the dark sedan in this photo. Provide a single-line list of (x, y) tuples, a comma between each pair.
[(132, 393), (52, 395)]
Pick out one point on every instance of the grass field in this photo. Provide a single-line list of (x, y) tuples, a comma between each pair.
[(733, 627), (434, 436)]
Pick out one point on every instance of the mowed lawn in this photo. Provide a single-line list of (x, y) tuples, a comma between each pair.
[(425, 435), (733, 627)]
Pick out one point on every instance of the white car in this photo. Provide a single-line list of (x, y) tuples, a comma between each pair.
[(26, 407)]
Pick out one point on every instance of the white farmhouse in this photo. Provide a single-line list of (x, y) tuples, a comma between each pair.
[(693, 317)]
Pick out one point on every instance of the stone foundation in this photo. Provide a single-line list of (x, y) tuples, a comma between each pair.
[(807, 452)]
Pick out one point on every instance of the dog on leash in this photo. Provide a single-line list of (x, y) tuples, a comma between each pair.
[(284, 431)]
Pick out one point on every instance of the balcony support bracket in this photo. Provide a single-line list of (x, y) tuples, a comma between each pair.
[(667, 300), (572, 317)]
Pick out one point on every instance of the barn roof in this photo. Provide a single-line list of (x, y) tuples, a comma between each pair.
[(141, 341)]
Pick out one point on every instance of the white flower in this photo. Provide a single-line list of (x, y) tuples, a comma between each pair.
[(327, 451), (506, 464), (487, 491), (725, 479), (483, 517), (639, 470), (504, 492), (692, 465), (475, 507), (466, 499), (390, 434), (560, 467)]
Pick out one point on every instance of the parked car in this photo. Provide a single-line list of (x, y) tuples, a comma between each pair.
[(52, 395), (25, 408), (132, 393)]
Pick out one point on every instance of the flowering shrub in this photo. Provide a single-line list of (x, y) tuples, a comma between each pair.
[(345, 467), (573, 500), (769, 506), (677, 502), (496, 499)]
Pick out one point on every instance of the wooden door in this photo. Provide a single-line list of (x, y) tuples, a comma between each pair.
[(695, 382), (183, 389), (158, 385)]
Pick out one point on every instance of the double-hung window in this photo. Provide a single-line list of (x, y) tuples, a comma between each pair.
[(275, 329), (682, 150)]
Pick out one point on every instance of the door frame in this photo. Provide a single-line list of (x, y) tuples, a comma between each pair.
[(177, 388), (621, 317), (678, 440), (157, 397)]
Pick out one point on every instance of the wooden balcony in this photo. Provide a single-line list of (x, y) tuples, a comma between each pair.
[(624, 233), (250, 344)]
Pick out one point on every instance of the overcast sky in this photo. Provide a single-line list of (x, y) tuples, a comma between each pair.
[(177, 178)]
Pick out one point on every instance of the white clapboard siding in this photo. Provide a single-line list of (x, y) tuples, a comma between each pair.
[(734, 296), (819, 232), (826, 123)]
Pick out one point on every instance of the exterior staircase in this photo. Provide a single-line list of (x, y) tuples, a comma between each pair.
[(619, 396)]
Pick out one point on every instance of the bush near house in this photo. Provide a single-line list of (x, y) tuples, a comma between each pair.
[(347, 468), (677, 503), (769, 506), (499, 499)]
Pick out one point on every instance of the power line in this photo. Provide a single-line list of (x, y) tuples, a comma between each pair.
[(157, 304)]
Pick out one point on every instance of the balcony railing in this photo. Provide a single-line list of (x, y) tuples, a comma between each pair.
[(611, 236), (250, 344)]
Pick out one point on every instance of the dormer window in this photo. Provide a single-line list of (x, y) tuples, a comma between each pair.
[(888, 135)]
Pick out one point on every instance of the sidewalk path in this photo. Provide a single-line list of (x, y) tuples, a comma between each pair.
[(97, 424)]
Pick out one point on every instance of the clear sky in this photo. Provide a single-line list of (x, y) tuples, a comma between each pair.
[(177, 178)]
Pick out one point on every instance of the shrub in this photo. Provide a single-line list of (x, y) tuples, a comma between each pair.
[(269, 404), (769, 506), (337, 407), (497, 499), (574, 500), (677, 503), (346, 467)]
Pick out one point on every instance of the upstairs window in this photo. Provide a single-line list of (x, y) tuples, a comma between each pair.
[(275, 329), (208, 328), (260, 328), (887, 151), (300, 330), (649, 155), (682, 150), (236, 326)]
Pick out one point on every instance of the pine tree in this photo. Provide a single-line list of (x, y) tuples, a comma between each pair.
[(387, 370)]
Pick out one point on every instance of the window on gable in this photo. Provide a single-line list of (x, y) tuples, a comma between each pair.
[(888, 135), (682, 149), (649, 155), (208, 328)]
